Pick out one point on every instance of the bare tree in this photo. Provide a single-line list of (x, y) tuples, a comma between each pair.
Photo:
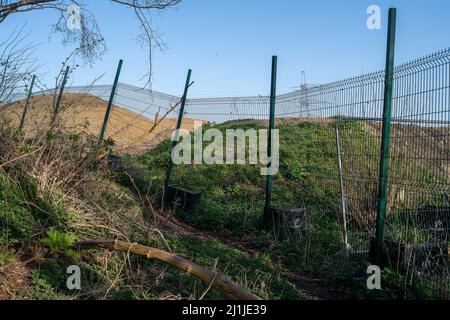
[(86, 34), (16, 64)]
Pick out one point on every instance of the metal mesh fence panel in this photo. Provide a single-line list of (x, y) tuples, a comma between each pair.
[(333, 123)]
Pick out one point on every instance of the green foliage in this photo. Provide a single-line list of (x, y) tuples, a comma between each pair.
[(110, 142), (254, 272), (51, 136), (394, 286), (233, 195), (44, 287), (17, 219), (25, 148), (74, 137), (5, 257), (232, 202), (59, 242), (25, 209)]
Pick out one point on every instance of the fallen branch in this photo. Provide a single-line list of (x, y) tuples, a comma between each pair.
[(216, 279), (18, 158)]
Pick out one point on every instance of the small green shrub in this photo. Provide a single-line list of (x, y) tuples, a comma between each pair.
[(59, 242)]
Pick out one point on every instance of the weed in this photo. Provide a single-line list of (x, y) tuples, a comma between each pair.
[(59, 242)]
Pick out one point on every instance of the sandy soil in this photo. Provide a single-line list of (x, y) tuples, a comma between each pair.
[(85, 113), (429, 147)]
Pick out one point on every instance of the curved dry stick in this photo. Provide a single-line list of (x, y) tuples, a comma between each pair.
[(18, 158), (216, 279)]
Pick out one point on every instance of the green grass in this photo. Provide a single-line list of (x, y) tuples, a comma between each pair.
[(233, 195), (26, 213), (255, 272), (23, 210), (232, 204)]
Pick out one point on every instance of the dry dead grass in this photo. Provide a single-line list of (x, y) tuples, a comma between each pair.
[(78, 200), (13, 279)]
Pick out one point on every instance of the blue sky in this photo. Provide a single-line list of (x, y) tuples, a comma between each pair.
[(229, 43)]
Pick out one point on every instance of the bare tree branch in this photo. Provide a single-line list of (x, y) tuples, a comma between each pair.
[(148, 4), (10, 7), (16, 64), (88, 37)]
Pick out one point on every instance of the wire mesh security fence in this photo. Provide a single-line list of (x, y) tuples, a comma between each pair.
[(222, 110), (139, 119), (323, 124), (418, 215), (418, 212), (330, 139)]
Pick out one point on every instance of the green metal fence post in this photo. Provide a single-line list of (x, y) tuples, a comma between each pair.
[(180, 119), (25, 108), (273, 95), (386, 134), (110, 102), (61, 91)]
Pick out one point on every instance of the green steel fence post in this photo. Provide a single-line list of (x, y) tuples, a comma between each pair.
[(25, 108), (386, 134), (61, 91), (180, 119), (273, 95), (110, 102)]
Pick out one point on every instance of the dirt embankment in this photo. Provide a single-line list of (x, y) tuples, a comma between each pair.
[(131, 131), (428, 147)]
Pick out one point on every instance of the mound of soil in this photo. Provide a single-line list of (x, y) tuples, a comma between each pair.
[(420, 145), (81, 112)]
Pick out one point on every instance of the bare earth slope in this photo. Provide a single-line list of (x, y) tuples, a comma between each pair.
[(85, 113)]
